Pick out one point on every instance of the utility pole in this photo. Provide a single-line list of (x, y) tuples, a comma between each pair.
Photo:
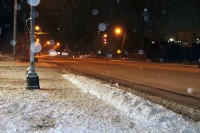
[(14, 30), (32, 79)]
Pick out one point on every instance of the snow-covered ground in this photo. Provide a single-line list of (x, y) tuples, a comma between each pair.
[(146, 114), (72, 103)]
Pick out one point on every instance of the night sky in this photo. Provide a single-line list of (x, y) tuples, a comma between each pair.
[(77, 21), (165, 16)]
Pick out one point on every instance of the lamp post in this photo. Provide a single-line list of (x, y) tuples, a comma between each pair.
[(118, 31), (14, 30), (32, 79)]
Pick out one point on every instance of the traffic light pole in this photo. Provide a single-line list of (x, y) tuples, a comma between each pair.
[(32, 79)]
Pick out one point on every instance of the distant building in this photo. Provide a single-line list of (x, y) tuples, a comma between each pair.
[(186, 37)]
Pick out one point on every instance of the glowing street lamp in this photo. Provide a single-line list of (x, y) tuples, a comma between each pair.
[(58, 44), (37, 28), (48, 42), (118, 31), (105, 35)]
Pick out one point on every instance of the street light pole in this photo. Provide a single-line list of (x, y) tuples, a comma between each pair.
[(123, 41), (32, 79), (119, 31), (14, 30)]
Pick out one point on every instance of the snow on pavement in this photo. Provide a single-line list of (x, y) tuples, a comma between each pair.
[(65, 105), (59, 107), (143, 112)]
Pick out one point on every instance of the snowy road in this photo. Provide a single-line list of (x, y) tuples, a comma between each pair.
[(171, 77), (72, 103)]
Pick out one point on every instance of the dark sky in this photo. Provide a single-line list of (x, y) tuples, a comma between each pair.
[(165, 16), (75, 19)]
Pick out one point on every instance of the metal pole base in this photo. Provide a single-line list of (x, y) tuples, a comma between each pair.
[(32, 81)]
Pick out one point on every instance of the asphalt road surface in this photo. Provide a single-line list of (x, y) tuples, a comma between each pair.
[(176, 82)]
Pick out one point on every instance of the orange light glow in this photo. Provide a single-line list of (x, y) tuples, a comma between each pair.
[(48, 42), (37, 28), (118, 31), (37, 40)]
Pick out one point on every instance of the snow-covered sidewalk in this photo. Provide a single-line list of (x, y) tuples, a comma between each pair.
[(72, 103), (146, 114)]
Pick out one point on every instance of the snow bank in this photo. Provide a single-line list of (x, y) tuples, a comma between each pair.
[(145, 112)]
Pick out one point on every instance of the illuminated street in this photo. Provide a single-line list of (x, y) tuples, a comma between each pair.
[(179, 78)]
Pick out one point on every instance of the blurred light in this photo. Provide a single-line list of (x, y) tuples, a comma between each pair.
[(189, 90), (152, 42), (119, 51), (36, 47), (105, 35), (52, 52), (37, 28), (109, 56), (65, 53), (13, 42), (17, 7), (33, 2), (36, 14), (118, 31), (99, 52), (37, 40), (95, 12), (102, 26), (141, 51), (48, 42), (58, 44), (145, 9), (171, 39), (51, 42)]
